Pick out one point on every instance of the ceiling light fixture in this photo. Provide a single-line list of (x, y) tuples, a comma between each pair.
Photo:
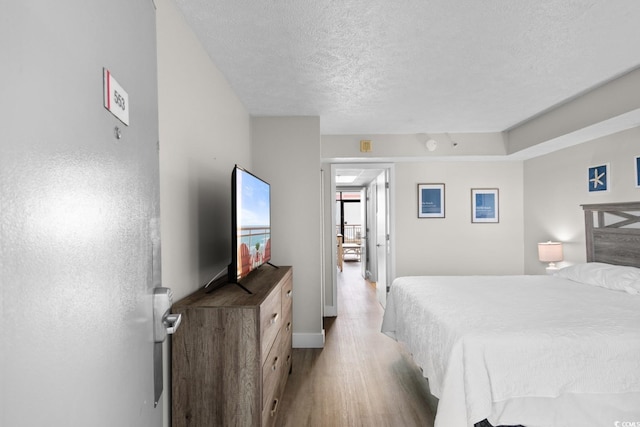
[(345, 179)]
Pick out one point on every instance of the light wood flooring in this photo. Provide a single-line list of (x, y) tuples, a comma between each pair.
[(361, 377)]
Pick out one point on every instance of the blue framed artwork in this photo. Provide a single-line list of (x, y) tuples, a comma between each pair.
[(638, 171), (430, 200), (599, 178), (485, 206)]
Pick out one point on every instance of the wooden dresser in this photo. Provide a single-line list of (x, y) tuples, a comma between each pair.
[(231, 355)]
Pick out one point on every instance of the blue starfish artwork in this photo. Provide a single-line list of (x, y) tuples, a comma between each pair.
[(598, 178)]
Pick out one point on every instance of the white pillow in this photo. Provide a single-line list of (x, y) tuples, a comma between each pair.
[(616, 277)]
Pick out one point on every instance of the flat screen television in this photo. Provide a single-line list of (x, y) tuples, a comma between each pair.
[(250, 224), (250, 227)]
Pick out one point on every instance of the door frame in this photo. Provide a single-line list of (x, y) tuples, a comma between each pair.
[(331, 307)]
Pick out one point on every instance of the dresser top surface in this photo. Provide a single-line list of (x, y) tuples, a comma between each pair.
[(260, 283)]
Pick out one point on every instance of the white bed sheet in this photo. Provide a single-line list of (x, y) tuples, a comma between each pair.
[(484, 341)]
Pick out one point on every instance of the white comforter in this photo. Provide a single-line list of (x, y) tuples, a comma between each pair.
[(482, 340)]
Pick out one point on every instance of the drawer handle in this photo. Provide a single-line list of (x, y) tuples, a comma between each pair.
[(288, 326), (275, 364), (274, 407), (274, 318), (289, 293)]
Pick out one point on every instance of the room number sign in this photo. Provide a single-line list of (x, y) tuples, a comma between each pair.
[(116, 100)]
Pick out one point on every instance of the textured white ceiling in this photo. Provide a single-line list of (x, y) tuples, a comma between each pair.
[(411, 66)]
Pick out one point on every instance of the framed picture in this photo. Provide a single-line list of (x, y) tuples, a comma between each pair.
[(599, 178), (430, 200), (638, 171), (485, 206)]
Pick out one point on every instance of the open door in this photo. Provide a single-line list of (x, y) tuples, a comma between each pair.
[(364, 232), (382, 237), (372, 258)]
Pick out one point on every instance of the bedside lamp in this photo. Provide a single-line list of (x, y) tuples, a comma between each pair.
[(550, 252)]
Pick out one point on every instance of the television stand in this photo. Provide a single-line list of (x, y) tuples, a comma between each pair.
[(220, 282), (231, 357), (245, 289)]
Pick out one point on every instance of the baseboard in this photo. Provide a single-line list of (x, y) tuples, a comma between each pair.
[(308, 340), (330, 311)]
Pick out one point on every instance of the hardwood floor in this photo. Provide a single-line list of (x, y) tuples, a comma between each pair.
[(361, 377)]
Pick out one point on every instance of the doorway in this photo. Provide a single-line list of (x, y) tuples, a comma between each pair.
[(372, 184), (351, 227)]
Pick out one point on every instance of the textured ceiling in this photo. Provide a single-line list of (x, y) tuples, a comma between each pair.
[(411, 66)]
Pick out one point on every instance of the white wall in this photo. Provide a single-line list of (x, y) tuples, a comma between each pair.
[(454, 245), (286, 153), (412, 146), (457, 246), (204, 131), (555, 185)]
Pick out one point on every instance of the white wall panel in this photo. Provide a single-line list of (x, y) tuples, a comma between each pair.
[(555, 185)]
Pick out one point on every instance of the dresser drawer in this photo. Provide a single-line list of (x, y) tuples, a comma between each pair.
[(272, 404), (287, 297), (270, 321), (287, 323), (288, 350), (270, 411), (272, 369)]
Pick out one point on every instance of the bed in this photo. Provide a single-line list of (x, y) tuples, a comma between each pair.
[(544, 350)]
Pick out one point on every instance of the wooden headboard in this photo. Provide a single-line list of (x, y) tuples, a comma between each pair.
[(613, 233)]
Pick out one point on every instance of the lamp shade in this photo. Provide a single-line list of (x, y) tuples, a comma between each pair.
[(550, 252)]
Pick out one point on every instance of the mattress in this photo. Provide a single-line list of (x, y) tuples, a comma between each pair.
[(505, 347)]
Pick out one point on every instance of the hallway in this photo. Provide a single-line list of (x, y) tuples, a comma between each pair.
[(361, 377)]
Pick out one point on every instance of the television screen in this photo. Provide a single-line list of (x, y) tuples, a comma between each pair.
[(251, 223)]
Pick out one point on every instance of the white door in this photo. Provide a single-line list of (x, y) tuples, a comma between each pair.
[(363, 231), (79, 212), (381, 237)]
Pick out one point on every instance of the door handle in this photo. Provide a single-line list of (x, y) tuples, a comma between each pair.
[(163, 323), (172, 321)]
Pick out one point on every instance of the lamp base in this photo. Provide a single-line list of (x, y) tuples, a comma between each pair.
[(551, 269)]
